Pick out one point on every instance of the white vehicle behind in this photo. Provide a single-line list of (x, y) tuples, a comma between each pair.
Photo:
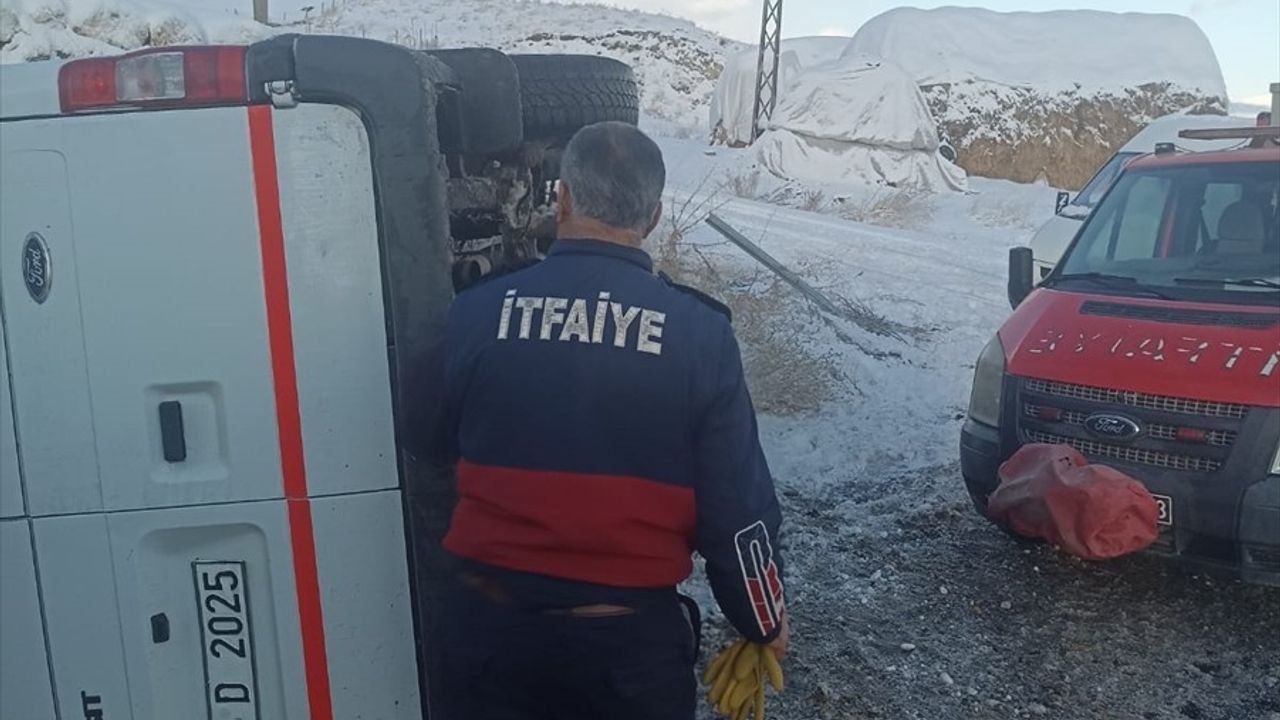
[(1051, 240)]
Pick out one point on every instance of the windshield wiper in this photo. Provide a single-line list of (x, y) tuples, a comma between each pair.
[(1239, 282), (1112, 282)]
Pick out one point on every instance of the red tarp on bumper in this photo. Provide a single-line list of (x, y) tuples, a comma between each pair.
[(1093, 511)]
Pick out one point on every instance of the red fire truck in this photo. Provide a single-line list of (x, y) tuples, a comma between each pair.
[(1154, 348)]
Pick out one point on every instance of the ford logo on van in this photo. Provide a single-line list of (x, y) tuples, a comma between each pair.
[(1112, 427), (37, 272)]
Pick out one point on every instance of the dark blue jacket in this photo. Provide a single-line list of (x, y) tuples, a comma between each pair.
[(602, 431)]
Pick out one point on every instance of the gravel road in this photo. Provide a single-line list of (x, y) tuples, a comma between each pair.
[(945, 617)]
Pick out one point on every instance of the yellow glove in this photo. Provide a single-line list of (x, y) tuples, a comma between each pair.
[(736, 679)]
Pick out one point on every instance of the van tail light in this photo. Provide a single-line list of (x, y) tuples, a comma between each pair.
[(156, 77)]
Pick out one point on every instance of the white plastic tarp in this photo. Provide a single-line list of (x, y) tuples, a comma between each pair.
[(733, 101), (1047, 51), (857, 120)]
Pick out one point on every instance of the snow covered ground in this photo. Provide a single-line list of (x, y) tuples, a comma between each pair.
[(933, 266)]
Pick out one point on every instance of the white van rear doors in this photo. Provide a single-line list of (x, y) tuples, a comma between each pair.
[(44, 335), (202, 391), (147, 366)]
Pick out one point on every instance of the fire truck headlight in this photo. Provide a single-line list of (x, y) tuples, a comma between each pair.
[(988, 377)]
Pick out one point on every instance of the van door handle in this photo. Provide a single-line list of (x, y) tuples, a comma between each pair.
[(173, 437), (159, 628)]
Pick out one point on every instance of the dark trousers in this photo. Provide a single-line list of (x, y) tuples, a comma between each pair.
[(507, 662)]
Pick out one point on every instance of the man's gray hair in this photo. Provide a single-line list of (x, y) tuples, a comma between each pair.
[(616, 175)]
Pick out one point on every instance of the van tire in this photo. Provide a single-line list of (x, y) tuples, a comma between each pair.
[(561, 94)]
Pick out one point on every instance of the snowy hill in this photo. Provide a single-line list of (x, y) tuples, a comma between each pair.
[(45, 29), (1029, 95), (676, 61)]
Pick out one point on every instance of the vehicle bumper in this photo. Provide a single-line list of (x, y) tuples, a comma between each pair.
[(1234, 531), (980, 459), (1260, 532)]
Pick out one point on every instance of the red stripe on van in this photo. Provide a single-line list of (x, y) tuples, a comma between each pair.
[(307, 582), (275, 279)]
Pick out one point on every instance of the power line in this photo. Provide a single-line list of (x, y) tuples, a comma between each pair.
[(767, 66)]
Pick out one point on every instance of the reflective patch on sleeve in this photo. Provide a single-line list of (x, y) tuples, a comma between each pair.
[(760, 575)]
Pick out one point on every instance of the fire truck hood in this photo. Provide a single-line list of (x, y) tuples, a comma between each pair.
[(1222, 353)]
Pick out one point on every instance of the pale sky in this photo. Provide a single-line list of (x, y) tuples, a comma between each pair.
[(1245, 33)]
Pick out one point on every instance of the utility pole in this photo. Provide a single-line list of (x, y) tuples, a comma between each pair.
[(260, 11), (767, 66)]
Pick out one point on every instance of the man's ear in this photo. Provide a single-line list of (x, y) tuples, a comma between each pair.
[(653, 223), (564, 202)]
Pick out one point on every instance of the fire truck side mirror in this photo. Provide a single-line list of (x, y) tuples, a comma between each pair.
[(1021, 282)]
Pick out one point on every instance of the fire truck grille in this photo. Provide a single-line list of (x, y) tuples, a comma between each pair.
[(1163, 403), (1169, 433), (1140, 456), (1156, 431)]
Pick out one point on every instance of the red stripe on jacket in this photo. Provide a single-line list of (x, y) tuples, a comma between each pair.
[(606, 529)]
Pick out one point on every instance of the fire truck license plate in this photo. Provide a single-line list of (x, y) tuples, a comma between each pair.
[(1164, 509), (226, 636)]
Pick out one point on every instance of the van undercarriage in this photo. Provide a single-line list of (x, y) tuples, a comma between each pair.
[(503, 147)]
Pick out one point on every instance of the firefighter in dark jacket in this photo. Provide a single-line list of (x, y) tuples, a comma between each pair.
[(602, 432)]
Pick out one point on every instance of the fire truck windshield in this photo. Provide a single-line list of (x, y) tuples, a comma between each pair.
[(1205, 232)]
